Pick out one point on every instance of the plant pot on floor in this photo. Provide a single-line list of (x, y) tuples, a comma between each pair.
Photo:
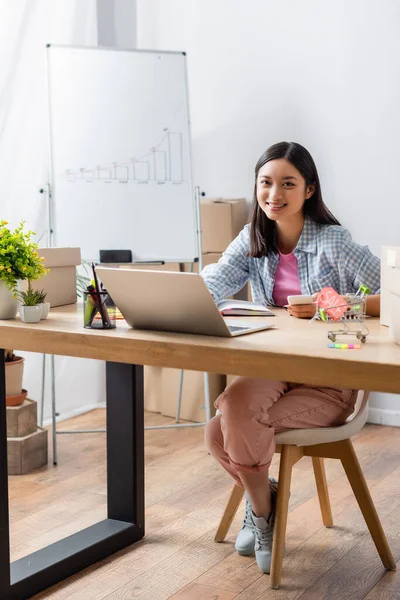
[(14, 373), (8, 304), (30, 314)]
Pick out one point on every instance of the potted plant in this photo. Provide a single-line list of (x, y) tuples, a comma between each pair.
[(19, 260), (30, 309), (15, 395)]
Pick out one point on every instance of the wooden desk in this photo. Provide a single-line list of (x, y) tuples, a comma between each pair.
[(295, 350)]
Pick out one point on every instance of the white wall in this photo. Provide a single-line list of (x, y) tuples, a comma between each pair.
[(116, 23), (322, 74), (25, 29)]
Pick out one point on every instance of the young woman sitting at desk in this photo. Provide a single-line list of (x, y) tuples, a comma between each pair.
[(294, 245)]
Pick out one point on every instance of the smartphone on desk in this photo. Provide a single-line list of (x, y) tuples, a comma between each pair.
[(301, 299)]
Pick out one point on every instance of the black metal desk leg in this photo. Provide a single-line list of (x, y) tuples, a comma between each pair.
[(125, 443), (4, 518), (125, 483)]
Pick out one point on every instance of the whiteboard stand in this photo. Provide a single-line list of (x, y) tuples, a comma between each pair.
[(49, 237)]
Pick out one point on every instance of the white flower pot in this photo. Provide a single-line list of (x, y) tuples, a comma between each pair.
[(8, 304), (45, 306), (30, 314)]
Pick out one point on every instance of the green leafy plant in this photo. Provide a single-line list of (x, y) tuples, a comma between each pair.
[(19, 257), (31, 297)]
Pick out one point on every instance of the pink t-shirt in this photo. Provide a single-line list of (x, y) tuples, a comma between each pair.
[(287, 281)]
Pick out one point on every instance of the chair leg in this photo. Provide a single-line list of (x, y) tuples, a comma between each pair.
[(322, 489), (357, 481), (229, 513), (289, 455)]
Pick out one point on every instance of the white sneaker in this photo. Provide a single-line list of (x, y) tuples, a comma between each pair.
[(263, 531), (246, 538)]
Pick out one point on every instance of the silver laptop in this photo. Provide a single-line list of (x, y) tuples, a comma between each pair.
[(169, 301)]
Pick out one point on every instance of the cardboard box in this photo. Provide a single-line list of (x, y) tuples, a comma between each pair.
[(390, 283), (193, 405), (221, 221), (60, 283), (161, 388)]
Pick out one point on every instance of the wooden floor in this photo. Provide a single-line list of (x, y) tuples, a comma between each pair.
[(185, 495)]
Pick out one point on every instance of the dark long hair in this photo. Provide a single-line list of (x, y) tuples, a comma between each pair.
[(263, 230)]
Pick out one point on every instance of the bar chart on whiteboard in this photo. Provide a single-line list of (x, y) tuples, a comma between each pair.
[(120, 153), (161, 163)]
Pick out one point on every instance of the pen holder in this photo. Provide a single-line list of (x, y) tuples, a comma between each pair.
[(99, 311)]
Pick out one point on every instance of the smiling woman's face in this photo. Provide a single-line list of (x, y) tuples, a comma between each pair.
[(281, 190)]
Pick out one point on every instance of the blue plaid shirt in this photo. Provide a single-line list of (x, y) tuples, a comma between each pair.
[(326, 255)]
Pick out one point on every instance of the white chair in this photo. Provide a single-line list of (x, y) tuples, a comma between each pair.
[(319, 443)]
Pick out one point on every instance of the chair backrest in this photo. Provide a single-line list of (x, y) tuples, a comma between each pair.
[(360, 406)]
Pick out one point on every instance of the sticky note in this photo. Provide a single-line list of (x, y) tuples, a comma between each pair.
[(345, 346)]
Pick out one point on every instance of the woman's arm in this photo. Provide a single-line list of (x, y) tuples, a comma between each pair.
[(231, 272), (307, 311), (373, 305), (361, 268)]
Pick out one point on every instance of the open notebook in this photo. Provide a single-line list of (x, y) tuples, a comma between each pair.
[(243, 308)]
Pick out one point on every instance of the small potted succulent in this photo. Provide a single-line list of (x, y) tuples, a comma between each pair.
[(30, 309), (45, 306), (15, 395)]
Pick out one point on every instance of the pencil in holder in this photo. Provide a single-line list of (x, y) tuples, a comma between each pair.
[(99, 310)]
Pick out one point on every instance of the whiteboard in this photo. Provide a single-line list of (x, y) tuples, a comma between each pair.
[(120, 153)]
